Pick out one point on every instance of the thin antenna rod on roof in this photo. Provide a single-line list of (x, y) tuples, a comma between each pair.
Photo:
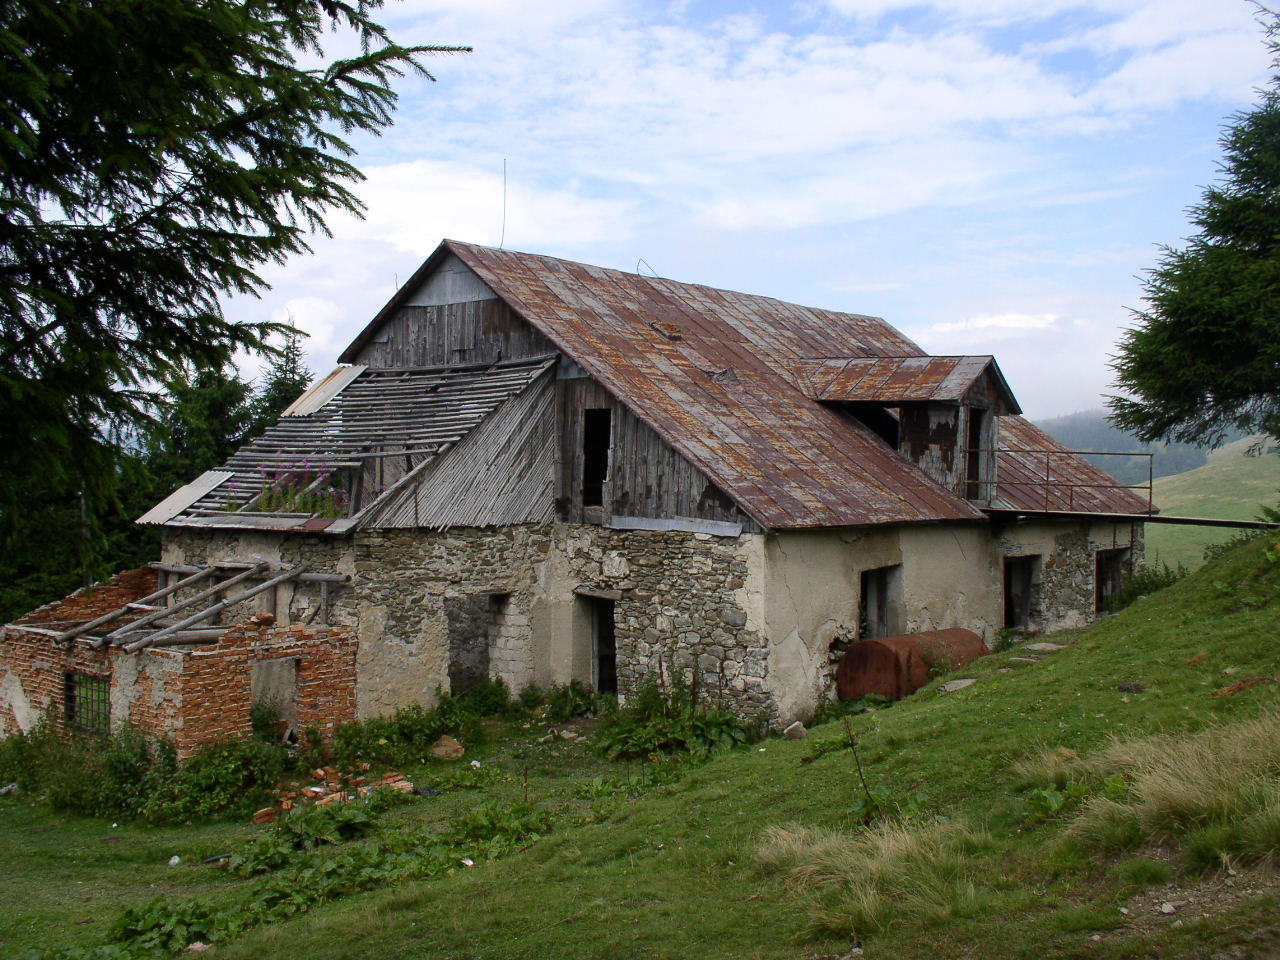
[(652, 271), (503, 237)]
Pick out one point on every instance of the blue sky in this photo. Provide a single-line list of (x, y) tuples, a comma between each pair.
[(990, 176)]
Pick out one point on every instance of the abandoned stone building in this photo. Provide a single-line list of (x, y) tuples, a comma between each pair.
[(541, 470)]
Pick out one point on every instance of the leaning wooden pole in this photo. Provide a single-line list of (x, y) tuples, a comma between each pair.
[(217, 608), (151, 618)]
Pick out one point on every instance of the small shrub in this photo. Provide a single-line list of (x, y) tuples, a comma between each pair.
[(487, 696), (501, 826), (1148, 579), (407, 735), (573, 699), (226, 778), (673, 721), (264, 718), (304, 828)]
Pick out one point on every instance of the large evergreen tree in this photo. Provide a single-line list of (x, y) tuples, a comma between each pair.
[(1204, 356), (153, 155)]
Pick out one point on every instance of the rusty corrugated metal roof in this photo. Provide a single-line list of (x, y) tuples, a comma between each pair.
[(1036, 472), (897, 380), (711, 371)]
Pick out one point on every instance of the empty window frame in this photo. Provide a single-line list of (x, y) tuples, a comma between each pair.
[(975, 455), (1109, 577), (882, 601), (882, 421), (1019, 581), (87, 702), (596, 429)]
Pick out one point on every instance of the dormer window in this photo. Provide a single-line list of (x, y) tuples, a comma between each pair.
[(939, 412)]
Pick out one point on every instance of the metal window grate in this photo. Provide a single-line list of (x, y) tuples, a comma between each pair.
[(88, 702)]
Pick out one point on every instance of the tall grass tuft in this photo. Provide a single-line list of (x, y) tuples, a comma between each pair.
[(890, 873), (1215, 792)]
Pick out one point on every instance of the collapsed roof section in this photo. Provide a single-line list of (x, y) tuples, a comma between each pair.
[(167, 605), (356, 438)]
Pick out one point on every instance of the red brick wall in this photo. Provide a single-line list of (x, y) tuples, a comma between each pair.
[(193, 695), (217, 680), (38, 664)]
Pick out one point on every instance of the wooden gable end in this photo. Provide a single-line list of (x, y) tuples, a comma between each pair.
[(451, 317)]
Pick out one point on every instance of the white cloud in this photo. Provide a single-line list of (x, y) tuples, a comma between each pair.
[(993, 326)]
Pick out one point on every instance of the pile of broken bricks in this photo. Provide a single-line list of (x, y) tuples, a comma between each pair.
[(330, 787)]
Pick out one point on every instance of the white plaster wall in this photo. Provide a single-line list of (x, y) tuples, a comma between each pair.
[(952, 576), (14, 697), (804, 586), (809, 586)]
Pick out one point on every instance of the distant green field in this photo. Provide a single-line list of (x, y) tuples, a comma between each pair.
[(1230, 486)]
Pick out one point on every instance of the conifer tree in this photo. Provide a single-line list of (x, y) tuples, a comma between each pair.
[(154, 156), (1204, 356), (285, 379)]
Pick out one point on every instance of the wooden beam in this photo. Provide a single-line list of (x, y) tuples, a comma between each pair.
[(242, 564), (213, 611), (189, 602), (69, 635)]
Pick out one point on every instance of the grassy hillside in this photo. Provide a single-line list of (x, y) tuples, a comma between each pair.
[(1230, 486), (762, 853)]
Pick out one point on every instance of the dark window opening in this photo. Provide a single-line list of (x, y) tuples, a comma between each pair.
[(881, 600), (595, 456), (974, 487), (87, 702), (603, 644), (879, 420), (1109, 578), (1019, 578)]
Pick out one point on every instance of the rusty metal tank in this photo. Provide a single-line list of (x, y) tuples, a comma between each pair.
[(897, 666)]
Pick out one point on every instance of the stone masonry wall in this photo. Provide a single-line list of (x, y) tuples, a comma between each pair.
[(675, 602), (1064, 591)]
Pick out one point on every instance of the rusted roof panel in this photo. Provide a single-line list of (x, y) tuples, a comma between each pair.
[(1036, 472), (711, 371), (896, 380)]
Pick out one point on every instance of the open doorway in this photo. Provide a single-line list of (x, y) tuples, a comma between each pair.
[(1019, 582), (881, 602), (604, 648), (1109, 578), (474, 623)]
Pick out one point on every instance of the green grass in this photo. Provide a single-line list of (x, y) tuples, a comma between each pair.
[(676, 871), (1231, 487)]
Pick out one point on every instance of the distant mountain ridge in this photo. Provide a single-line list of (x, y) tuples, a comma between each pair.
[(1091, 430)]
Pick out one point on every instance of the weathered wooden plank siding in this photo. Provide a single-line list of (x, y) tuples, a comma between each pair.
[(481, 331), (501, 473), (647, 478)]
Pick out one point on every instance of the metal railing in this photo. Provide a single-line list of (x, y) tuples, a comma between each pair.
[(1048, 484)]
